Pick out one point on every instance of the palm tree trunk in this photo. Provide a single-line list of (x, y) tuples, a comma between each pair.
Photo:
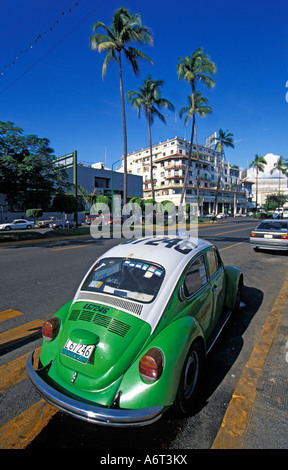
[(188, 165), (151, 158), (218, 184), (198, 169), (190, 152), (256, 189), (124, 133)]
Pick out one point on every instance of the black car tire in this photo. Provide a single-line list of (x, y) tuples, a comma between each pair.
[(28, 227), (238, 296), (190, 382), (8, 228)]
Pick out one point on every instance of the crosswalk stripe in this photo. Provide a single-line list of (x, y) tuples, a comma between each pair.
[(15, 371), (20, 332), (20, 431), (10, 313)]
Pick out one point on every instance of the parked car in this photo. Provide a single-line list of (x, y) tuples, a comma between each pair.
[(57, 224), (270, 234), (46, 223), (134, 340), (89, 218), (116, 219), (17, 224), (67, 223), (221, 216)]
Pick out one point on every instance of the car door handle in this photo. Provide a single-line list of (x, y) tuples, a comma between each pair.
[(215, 288)]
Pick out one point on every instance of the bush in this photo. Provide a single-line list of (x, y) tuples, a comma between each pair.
[(34, 213)]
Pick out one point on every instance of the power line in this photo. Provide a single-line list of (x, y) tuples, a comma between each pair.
[(27, 48), (56, 45)]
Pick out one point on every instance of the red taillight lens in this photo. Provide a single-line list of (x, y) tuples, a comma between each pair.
[(151, 365), (252, 234), (284, 236), (51, 328)]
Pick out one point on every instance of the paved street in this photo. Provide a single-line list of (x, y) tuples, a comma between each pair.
[(37, 279)]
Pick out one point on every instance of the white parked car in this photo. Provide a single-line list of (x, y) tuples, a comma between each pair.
[(17, 224)]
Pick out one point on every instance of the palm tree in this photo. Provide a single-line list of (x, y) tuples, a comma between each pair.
[(196, 68), (125, 28), (282, 166), (258, 165), (202, 109), (149, 100), (224, 139)]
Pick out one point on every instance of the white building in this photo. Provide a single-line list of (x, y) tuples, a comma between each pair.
[(267, 183), (169, 164)]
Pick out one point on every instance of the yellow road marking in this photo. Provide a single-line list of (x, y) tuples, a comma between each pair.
[(20, 431), (20, 332), (15, 371), (232, 430), (10, 313), (69, 247), (231, 231), (230, 246)]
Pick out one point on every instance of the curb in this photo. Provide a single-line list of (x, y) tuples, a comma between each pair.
[(235, 422)]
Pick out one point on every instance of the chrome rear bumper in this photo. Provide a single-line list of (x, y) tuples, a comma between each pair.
[(92, 412)]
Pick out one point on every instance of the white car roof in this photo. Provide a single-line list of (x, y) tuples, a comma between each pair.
[(170, 252), (173, 253)]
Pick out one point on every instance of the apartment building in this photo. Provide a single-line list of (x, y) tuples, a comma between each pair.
[(169, 164)]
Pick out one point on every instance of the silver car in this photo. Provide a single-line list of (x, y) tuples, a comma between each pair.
[(17, 224), (270, 234)]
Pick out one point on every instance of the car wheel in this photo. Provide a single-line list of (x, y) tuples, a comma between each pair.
[(7, 228), (238, 296), (190, 382), (28, 227)]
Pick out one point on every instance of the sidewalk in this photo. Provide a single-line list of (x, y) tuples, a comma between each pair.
[(257, 416)]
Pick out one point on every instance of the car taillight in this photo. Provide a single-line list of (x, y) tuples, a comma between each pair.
[(284, 236), (151, 365), (51, 328), (252, 234)]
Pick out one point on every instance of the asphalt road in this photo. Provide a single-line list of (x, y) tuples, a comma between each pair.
[(37, 279)]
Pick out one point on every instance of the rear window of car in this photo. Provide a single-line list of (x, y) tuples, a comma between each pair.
[(129, 278), (273, 225)]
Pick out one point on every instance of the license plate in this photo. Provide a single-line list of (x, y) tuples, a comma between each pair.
[(267, 235), (79, 352)]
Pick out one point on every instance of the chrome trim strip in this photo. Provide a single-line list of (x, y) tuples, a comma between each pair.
[(90, 412)]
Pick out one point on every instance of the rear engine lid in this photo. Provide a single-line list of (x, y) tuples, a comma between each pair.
[(99, 343)]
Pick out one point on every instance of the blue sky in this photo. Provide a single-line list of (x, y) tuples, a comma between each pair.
[(55, 89)]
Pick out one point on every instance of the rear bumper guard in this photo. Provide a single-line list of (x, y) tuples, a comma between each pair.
[(88, 411)]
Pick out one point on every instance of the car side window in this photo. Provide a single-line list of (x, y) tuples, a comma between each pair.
[(213, 261), (196, 277)]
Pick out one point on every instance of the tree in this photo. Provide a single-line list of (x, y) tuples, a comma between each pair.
[(202, 109), (282, 167), (197, 68), (224, 139), (28, 175), (125, 28), (273, 201), (258, 165), (149, 100), (34, 213), (65, 203)]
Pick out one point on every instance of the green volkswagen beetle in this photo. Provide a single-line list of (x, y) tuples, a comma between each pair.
[(133, 341)]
